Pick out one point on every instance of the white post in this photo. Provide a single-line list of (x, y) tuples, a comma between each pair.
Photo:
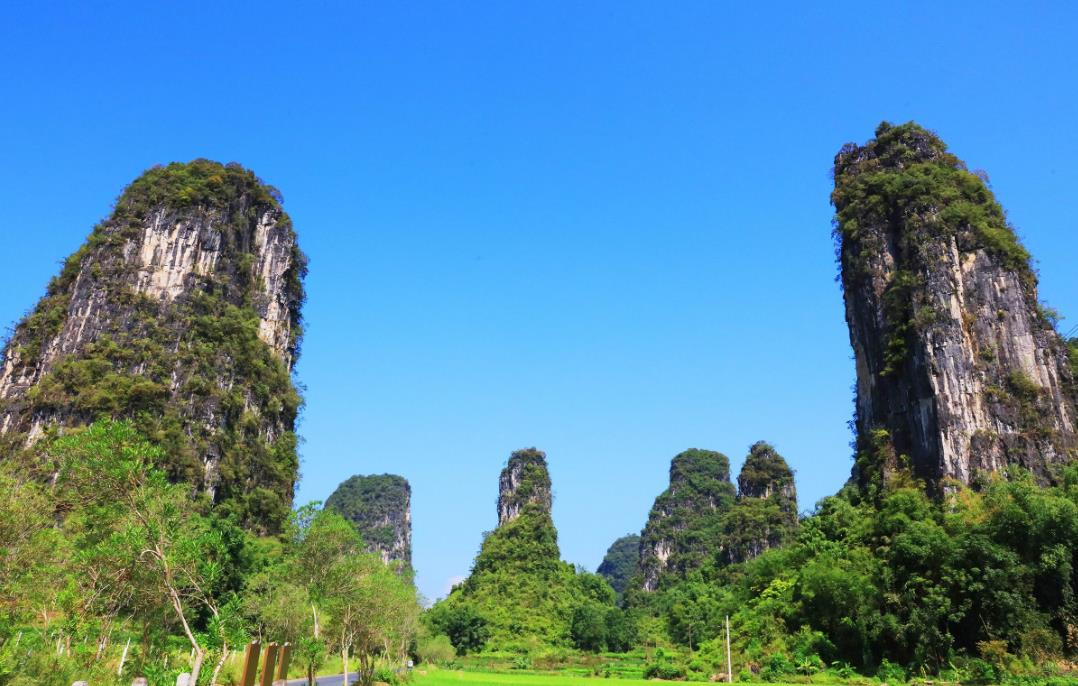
[(123, 658), (729, 663)]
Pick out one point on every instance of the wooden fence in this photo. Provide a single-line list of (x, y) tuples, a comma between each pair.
[(274, 667)]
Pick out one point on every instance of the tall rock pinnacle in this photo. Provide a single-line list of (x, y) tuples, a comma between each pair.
[(380, 507), (519, 564), (524, 480), (685, 525), (958, 369), (765, 514), (182, 313)]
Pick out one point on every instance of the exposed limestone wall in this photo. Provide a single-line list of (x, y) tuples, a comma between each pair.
[(958, 372), (180, 311), (524, 480)]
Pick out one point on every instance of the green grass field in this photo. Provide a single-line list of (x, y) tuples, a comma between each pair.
[(442, 677)]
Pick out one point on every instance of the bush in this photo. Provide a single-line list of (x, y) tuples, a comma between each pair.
[(436, 650), (843, 670), (466, 628), (995, 653), (982, 671), (387, 676), (808, 664), (1041, 645), (890, 672), (664, 670), (778, 666)]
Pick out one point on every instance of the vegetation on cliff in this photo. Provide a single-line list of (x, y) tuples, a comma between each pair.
[(524, 480), (192, 371), (621, 562), (765, 513), (940, 296), (520, 595), (686, 521), (378, 506), (906, 177), (1072, 354)]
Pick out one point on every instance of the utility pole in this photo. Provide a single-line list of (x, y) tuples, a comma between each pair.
[(729, 663)]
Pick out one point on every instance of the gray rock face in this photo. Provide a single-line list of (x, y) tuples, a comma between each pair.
[(958, 371), (182, 309), (380, 506), (524, 480), (685, 523)]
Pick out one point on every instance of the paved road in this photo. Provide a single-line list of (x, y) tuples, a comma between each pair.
[(334, 680)]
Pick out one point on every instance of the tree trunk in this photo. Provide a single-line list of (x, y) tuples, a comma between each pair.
[(314, 611), (219, 665), (200, 655), (123, 658), (344, 662)]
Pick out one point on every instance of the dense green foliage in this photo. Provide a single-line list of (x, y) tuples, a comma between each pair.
[(687, 518), (378, 507), (519, 586), (765, 514), (621, 563), (97, 547), (904, 584), (700, 515), (906, 178), (192, 374), (520, 595)]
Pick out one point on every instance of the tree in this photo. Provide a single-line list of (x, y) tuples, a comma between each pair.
[(142, 548), (372, 612), (29, 545), (466, 628), (588, 627)]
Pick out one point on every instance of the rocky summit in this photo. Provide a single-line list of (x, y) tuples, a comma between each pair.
[(765, 513), (959, 368), (686, 520), (181, 312), (525, 479), (380, 507)]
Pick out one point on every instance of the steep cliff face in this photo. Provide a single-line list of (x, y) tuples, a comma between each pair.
[(525, 479), (181, 312), (380, 506), (765, 513), (684, 527), (621, 562), (958, 371)]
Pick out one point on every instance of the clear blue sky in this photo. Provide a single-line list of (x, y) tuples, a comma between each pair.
[(599, 228)]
